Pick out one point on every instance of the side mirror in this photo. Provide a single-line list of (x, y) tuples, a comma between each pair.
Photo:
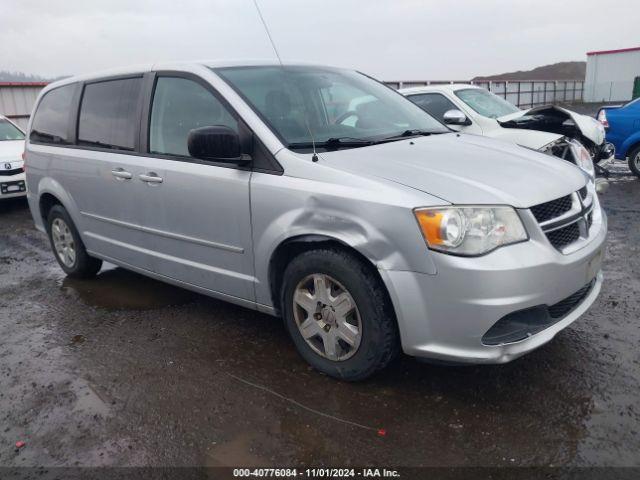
[(455, 117), (217, 143)]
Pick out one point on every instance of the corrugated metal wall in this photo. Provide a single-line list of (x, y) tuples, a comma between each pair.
[(610, 76), (17, 100)]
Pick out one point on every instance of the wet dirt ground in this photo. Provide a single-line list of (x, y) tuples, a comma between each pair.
[(123, 370)]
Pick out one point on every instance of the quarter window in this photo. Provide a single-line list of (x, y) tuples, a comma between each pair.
[(51, 119), (435, 104), (108, 114), (179, 106)]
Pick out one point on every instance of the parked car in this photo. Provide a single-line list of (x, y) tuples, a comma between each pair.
[(550, 129), (254, 184), (12, 181), (622, 124)]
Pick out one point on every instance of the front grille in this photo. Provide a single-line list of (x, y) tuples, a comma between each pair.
[(583, 192), (564, 236), (563, 307), (566, 219), (8, 173), (554, 208)]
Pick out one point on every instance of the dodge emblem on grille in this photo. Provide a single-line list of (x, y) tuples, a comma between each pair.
[(7, 166)]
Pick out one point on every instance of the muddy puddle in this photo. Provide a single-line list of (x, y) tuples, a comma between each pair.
[(118, 289)]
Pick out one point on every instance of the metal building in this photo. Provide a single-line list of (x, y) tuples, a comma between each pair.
[(17, 100), (610, 75)]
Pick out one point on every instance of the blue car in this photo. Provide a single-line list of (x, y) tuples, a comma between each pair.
[(622, 124)]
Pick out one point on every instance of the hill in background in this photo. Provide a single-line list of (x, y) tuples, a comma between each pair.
[(556, 71)]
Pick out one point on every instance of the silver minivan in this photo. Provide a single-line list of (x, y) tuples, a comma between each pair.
[(322, 196)]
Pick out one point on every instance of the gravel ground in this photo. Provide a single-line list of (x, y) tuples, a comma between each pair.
[(123, 370)]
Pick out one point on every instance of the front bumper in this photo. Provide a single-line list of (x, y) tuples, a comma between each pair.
[(13, 186), (444, 316)]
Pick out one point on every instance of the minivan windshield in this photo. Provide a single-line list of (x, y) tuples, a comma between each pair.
[(486, 103), (336, 108), (8, 131)]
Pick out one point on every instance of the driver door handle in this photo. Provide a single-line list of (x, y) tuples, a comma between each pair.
[(150, 177)]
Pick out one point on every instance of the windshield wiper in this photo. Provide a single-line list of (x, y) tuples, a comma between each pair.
[(333, 143), (409, 133), (415, 133)]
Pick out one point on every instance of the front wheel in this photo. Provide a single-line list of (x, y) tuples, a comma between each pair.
[(68, 247), (338, 314), (634, 161)]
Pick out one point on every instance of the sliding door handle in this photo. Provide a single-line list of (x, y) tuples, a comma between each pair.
[(151, 177), (121, 174)]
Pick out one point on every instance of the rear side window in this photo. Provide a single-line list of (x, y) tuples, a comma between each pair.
[(51, 119), (109, 114), (179, 106), (435, 104)]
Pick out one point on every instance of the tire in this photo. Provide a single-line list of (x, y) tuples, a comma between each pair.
[(67, 245), (371, 314), (634, 161)]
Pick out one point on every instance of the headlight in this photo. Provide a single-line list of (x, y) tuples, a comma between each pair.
[(470, 230), (583, 157)]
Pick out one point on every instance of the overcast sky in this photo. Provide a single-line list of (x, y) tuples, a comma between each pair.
[(390, 39)]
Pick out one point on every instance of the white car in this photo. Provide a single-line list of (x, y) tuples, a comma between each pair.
[(12, 180), (549, 129)]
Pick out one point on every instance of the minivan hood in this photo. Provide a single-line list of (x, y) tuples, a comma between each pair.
[(588, 127), (464, 169)]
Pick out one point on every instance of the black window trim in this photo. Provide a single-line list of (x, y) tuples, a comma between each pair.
[(70, 119), (246, 134), (144, 116), (78, 106)]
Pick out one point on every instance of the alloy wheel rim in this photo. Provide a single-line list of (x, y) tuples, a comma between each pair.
[(636, 160), (327, 317), (63, 242)]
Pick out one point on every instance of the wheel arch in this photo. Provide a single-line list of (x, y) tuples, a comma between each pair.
[(631, 144), (45, 203), (51, 193), (293, 246)]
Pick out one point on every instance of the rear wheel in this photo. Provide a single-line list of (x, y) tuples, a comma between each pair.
[(338, 314), (634, 161), (68, 247)]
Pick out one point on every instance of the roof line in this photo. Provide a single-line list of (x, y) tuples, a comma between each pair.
[(607, 52)]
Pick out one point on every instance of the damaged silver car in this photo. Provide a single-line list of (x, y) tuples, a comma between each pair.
[(549, 129)]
